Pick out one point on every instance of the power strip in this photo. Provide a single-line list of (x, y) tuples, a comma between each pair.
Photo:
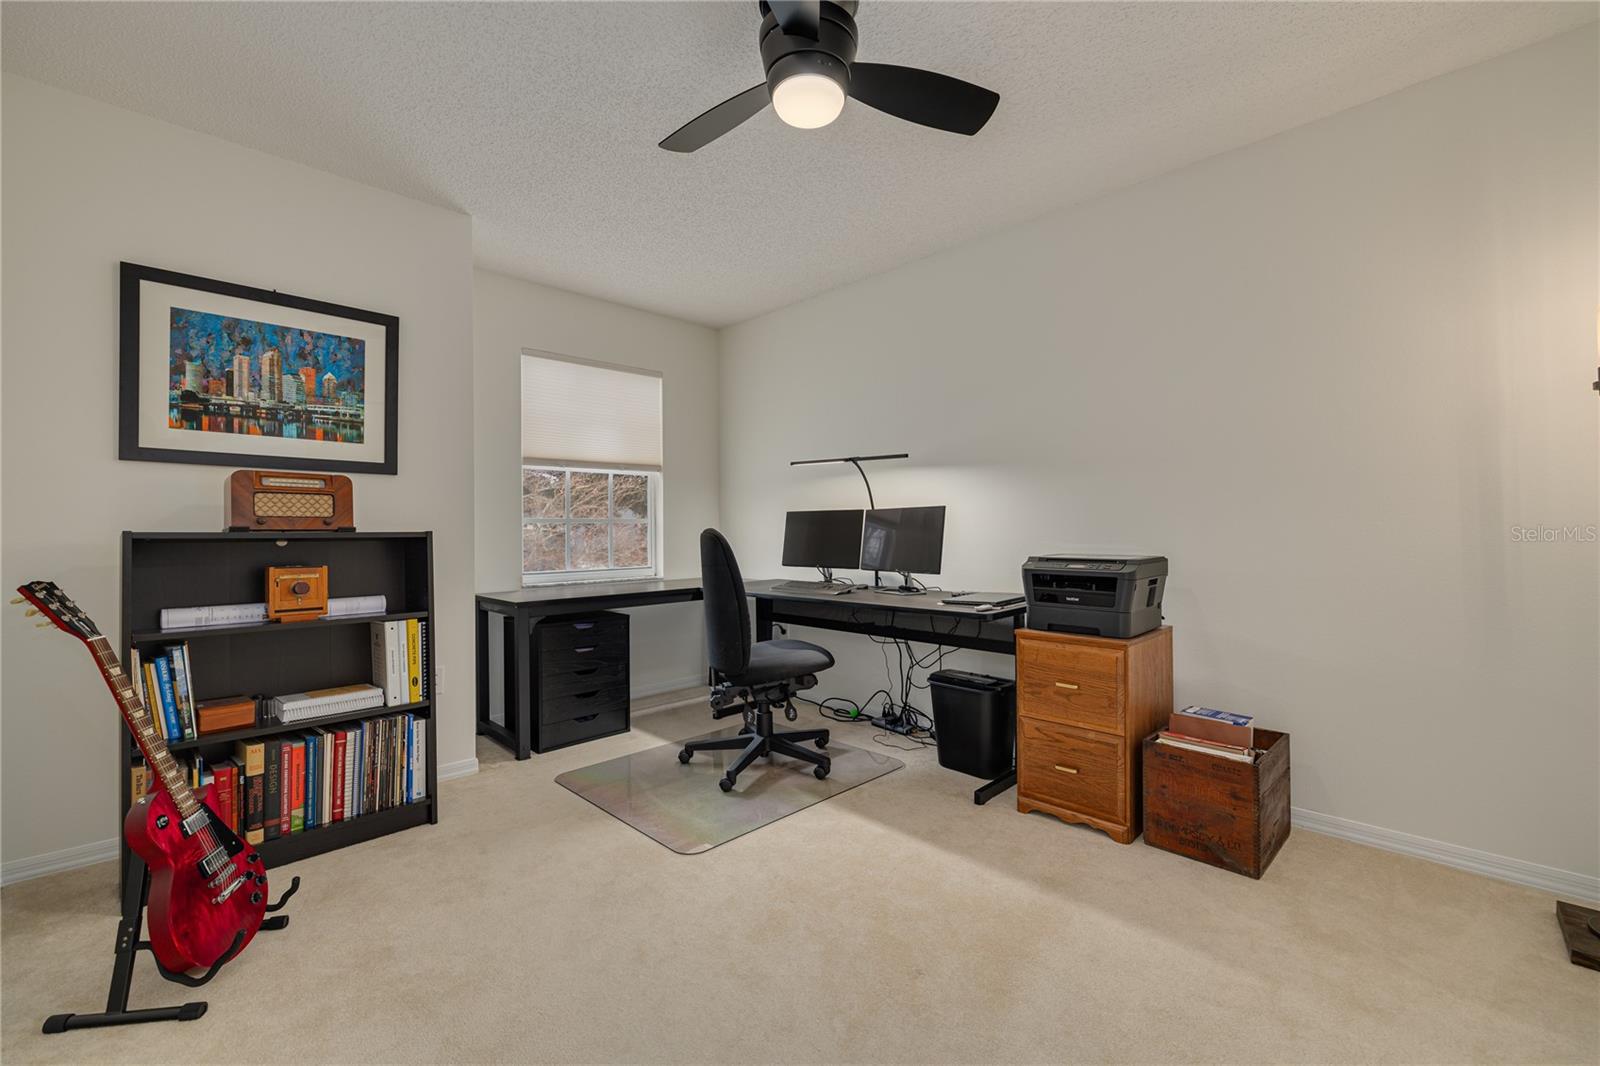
[(895, 724)]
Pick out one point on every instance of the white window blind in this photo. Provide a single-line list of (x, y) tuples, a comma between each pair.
[(585, 414)]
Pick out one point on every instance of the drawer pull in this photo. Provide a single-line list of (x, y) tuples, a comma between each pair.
[(588, 717), (586, 695), (584, 650), (1067, 684), (586, 671), (1066, 769), (583, 625)]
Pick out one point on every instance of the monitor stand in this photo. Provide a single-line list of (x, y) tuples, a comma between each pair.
[(906, 587), (829, 580)]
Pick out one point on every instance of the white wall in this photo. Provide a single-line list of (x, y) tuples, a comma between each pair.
[(85, 186), (1327, 375), (510, 315)]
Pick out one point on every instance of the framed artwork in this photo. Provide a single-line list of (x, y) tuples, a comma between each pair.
[(230, 375)]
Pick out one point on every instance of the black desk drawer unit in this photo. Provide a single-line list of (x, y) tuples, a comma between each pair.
[(581, 663), (553, 660)]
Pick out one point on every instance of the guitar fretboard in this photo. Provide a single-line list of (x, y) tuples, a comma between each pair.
[(137, 715)]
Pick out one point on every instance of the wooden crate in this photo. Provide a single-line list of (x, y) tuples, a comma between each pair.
[(1230, 814)]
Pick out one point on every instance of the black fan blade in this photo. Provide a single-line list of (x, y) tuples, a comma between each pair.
[(701, 131), (797, 18), (923, 97)]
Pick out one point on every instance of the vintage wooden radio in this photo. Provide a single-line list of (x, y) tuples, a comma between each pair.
[(297, 593), (270, 499)]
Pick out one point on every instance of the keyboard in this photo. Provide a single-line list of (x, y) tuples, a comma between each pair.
[(990, 601), (832, 588)]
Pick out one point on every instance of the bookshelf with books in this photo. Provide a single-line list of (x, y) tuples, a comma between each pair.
[(225, 695)]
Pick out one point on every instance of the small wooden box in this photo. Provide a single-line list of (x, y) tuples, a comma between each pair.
[(297, 593), (219, 716), (1230, 814)]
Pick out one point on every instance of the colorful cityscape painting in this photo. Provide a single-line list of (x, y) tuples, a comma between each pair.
[(237, 375)]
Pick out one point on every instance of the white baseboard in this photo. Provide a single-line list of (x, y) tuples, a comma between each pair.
[(1565, 883), (53, 862), (460, 768), (656, 688)]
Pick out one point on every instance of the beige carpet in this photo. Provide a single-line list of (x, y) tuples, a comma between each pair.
[(894, 923)]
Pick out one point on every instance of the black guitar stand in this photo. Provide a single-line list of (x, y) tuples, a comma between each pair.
[(136, 893)]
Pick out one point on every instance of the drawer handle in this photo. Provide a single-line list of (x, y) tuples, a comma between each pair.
[(1066, 769), (588, 717), (586, 671), (585, 650), (1067, 685), (586, 695), (583, 625)]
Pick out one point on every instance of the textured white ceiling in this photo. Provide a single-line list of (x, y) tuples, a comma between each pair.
[(541, 119)]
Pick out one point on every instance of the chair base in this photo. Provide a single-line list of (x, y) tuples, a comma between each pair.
[(763, 740)]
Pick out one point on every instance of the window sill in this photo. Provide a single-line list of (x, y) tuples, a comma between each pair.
[(589, 577)]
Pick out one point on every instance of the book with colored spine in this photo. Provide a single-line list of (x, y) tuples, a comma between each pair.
[(165, 692), (272, 789), (414, 660), (427, 686), (250, 755), (182, 689), (297, 785)]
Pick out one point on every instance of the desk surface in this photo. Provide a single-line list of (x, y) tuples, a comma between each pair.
[(584, 595), (589, 595), (927, 603)]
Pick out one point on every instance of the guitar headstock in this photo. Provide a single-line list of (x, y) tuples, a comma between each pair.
[(58, 609)]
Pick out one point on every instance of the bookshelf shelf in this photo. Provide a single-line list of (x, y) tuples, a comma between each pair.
[(271, 728), (169, 636), (283, 850), (162, 570)]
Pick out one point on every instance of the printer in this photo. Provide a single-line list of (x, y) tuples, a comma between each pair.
[(1096, 595)]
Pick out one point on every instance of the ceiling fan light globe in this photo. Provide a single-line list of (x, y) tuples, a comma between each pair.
[(808, 101)]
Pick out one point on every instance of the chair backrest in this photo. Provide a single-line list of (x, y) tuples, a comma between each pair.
[(727, 609)]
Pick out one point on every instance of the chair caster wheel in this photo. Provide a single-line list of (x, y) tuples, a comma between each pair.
[(725, 783), (685, 755), (821, 773), (822, 742)]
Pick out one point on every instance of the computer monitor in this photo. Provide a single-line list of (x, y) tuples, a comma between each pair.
[(823, 539), (906, 539)]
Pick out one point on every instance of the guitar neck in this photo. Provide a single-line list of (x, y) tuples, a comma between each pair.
[(137, 717)]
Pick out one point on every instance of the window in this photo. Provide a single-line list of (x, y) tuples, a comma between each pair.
[(582, 520), (591, 470)]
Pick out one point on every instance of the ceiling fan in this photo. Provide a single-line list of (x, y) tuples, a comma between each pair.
[(808, 48)]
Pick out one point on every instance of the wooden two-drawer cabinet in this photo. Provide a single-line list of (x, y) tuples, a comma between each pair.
[(1084, 704)]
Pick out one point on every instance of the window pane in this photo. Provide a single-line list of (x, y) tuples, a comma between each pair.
[(630, 542), (589, 544), (630, 496), (541, 492), (544, 547), (588, 495)]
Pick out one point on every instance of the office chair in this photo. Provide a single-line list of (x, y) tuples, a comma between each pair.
[(752, 678)]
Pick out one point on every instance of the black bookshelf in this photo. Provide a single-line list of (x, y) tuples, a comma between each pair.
[(161, 570)]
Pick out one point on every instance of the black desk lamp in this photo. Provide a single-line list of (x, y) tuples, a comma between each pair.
[(856, 461)]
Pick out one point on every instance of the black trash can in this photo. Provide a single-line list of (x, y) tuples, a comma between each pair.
[(975, 720)]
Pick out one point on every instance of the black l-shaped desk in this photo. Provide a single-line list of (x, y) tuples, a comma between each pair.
[(869, 611)]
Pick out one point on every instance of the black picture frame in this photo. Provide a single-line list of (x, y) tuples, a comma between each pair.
[(129, 448)]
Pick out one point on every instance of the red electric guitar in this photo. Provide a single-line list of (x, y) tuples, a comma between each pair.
[(207, 895)]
